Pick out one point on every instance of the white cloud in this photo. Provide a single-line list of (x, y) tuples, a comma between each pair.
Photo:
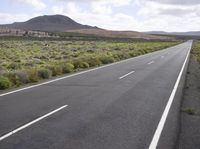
[(101, 9), (115, 3), (37, 4), (152, 15), (6, 18), (99, 15), (58, 9), (175, 2), (167, 15)]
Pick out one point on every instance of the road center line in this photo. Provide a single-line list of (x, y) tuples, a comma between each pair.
[(161, 124), (31, 123), (150, 62), (126, 75), (72, 75)]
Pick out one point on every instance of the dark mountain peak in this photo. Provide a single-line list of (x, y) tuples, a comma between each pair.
[(51, 19), (53, 23)]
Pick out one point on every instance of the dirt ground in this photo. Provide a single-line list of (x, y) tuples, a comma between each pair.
[(189, 137)]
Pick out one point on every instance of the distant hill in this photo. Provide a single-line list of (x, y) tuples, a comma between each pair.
[(116, 34), (60, 23), (51, 23), (190, 33)]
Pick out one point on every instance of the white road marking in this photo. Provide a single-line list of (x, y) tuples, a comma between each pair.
[(161, 124), (68, 76), (126, 75), (150, 63), (30, 123)]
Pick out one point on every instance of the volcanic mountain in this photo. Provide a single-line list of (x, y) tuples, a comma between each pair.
[(61, 23), (51, 23)]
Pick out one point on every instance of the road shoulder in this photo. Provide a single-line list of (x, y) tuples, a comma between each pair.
[(190, 110)]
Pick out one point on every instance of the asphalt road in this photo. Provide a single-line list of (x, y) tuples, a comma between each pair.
[(118, 106)]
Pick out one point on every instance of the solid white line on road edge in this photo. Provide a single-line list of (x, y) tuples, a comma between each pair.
[(161, 124), (150, 62), (30, 123), (68, 76), (126, 75)]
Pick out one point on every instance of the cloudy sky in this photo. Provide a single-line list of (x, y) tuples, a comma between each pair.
[(138, 15)]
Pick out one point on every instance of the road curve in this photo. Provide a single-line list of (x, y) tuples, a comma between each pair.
[(114, 107)]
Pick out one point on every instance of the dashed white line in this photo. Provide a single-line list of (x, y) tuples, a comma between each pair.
[(126, 75), (150, 63), (68, 76), (161, 124), (162, 56), (31, 123)]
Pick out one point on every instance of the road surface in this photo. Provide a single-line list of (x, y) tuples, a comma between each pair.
[(118, 106)]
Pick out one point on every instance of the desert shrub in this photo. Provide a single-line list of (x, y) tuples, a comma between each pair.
[(107, 59), (131, 48), (144, 51), (93, 61), (55, 69), (67, 67), (85, 65), (28, 63), (44, 73), (4, 83), (195, 50), (132, 54), (33, 76), (21, 78), (90, 51), (117, 48), (17, 78), (37, 61), (18, 60), (116, 57), (137, 53), (2, 69), (123, 55), (80, 64), (12, 77), (14, 66)]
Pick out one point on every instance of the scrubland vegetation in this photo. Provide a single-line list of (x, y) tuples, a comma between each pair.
[(29, 61), (196, 50)]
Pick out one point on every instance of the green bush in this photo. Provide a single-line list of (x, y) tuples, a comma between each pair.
[(93, 61), (4, 83), (85, 65), (44, 73), (55, 69), (11, 76), (67, 67), (33, 76), (123, 55), (80, 64), (107, 59)]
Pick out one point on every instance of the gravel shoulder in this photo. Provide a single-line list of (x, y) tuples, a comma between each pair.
[(190, 110)]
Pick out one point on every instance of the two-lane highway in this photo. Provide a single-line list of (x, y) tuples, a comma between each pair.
[(117, 106)]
